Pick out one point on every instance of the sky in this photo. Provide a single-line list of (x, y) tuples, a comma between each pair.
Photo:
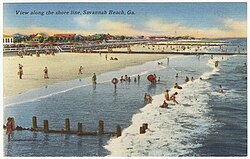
[(205, 20)]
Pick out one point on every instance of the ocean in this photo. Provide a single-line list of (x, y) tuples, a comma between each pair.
[(204, 123)]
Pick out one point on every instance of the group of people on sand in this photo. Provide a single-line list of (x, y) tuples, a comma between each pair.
[(20, 72)]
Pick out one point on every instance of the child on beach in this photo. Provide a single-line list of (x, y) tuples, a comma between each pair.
[(94, 79), (46, 73), (80, 70), (20, 71)]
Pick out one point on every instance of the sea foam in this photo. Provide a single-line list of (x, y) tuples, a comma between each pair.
[(175, 131)]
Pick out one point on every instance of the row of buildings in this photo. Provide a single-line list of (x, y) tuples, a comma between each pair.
[(43, 38)]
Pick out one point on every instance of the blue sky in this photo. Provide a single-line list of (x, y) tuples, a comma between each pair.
[(192, 19)]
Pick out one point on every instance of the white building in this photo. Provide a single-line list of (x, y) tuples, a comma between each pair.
[(7, 39)]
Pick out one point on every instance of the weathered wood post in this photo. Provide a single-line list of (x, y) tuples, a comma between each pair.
[(34, 122), (46, 126), (142, 130), (67, 124), (118, 131), (101, 127), (145, 125), (79, 128)]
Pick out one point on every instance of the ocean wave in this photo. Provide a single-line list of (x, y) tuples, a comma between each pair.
[(172, 132)]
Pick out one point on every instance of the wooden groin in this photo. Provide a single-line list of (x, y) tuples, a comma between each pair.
[(67, 130)]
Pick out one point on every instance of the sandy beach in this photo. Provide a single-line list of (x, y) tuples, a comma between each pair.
[(62, 67)]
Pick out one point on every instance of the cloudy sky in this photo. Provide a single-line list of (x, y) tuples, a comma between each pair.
[(211, 20)]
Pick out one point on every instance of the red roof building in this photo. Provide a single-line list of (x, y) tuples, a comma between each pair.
[(65, 35)]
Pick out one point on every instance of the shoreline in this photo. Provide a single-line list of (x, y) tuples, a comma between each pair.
[(63, 67)]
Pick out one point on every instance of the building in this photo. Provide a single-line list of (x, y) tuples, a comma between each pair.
[(65, 35), (8, 39)]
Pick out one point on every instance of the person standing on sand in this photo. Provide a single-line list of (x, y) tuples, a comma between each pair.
[(94, 79), (20, 71), (80, 70), (106, 56), (46, 73)]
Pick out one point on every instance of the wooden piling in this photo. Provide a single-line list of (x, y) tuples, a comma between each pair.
[(79, 128), (67, 124), (101, 127), (34, 122), (46, 126), (145, 125), (118, 131), (142, 130)]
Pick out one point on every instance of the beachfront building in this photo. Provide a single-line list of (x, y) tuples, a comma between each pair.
[(39, 37), (8, 39), (64, 37)]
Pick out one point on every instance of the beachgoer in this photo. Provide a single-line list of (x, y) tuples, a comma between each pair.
[(106, 56), (216, 63), (177, 86), (126, 77), (176, 76), (80, 70), (9, 127), (135, 79), (139, 77), (164, 104), (154, 80), (147, 98), (129, 79), (221, 90), (166, 94), (94, 79), (159, 79), (46, 73), (192, 79), (186, 79), (121, 79), (20, 71), (173, 98)]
